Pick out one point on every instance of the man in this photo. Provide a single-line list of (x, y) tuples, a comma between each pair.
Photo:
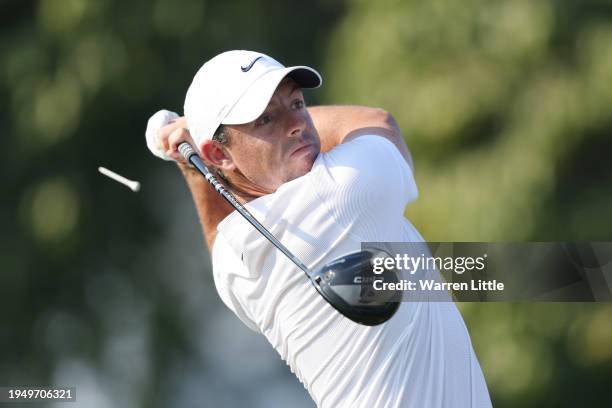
[(322, 180)]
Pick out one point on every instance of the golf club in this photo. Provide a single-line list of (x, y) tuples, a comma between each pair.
[(345, 283)]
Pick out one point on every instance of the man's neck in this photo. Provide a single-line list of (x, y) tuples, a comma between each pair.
[(243, 188), (244, 197)]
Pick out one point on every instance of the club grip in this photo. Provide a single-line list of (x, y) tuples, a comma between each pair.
[(186, 150)]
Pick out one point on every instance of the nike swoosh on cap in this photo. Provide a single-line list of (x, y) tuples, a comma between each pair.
[(248, 67)]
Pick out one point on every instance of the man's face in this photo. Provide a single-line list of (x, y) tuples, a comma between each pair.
[(279, 146)]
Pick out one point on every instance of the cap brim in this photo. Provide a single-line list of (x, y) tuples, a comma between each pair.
[(256, 98)]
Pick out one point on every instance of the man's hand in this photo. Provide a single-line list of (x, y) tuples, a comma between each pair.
[(165, 132)]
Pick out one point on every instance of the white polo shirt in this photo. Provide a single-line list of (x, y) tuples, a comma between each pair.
[(357, 192)]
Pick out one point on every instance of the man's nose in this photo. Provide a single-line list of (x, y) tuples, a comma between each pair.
[(296, 123)]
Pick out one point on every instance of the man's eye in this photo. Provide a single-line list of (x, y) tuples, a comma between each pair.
[(263, 120), (299, 104)]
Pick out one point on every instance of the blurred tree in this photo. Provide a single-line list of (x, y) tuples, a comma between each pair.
[(499, 101)]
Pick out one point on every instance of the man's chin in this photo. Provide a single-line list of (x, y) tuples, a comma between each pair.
[(308, 158), (301, 166)]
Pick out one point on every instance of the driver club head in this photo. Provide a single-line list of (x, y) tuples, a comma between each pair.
[(347, 284)]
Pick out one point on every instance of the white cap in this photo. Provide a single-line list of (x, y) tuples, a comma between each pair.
[(234, 88)]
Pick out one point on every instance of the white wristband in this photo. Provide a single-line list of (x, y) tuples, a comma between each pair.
[(155, 123)]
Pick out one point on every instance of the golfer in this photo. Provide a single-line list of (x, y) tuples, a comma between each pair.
[(322, 180)]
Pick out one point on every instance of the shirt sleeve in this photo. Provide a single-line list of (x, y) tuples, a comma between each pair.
[(366, 185)]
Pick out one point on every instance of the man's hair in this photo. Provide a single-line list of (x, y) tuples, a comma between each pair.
[(221, 135)]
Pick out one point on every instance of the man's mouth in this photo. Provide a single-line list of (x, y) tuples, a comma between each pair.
[(302, 148)]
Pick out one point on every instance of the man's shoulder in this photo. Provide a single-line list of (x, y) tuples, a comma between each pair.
[(368, 155)]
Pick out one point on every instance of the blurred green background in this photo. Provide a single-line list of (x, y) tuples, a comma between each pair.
[(506, 106)]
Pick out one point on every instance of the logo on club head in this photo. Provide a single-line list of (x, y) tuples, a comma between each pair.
[(248, 67), (329, 275)]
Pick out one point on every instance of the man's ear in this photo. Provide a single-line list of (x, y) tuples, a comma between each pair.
[(216, 154)]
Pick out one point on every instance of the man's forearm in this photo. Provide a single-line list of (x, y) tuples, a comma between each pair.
[(339, 123), (211, 207)]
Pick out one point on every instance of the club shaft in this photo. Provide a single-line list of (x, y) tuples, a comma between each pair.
[(192, 157)]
